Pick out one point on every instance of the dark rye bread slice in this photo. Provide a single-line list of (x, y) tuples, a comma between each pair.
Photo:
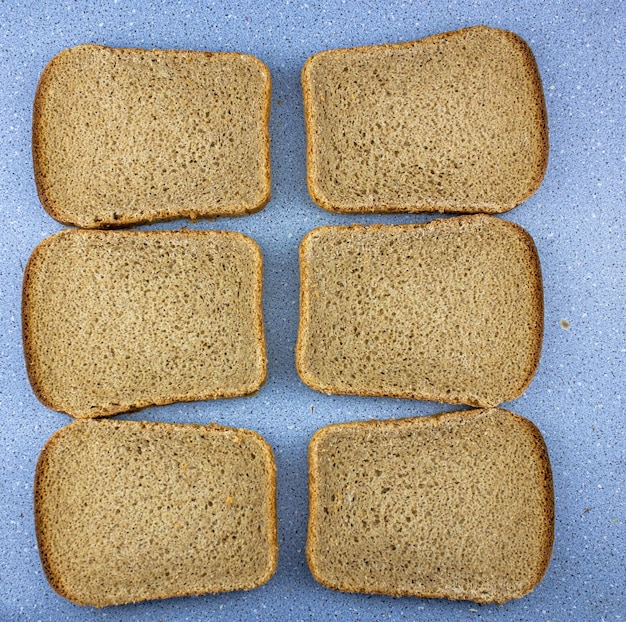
[(450, 311), (452, 123), (127, 136), (459, 505), (128, 511), (114, 321)]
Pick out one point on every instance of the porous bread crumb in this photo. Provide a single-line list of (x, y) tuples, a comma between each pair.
[(458, 505), (119, 521), (450, 311), (125, 136), (114, 321), (452, 123)]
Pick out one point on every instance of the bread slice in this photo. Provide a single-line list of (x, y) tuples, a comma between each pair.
[(450, 311), (452, 123), (128, 511), (459, 505), (117, 320), (127, 136)]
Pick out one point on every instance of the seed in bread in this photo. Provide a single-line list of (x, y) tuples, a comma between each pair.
[(128, 511), (125, 136), (449, 311), (458, 505), (452, 123), (117, 320)]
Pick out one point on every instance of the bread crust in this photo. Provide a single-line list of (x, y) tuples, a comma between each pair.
[(44, 177), (433, 204), (547, 535), (33, 363), (473, 398), (56, 579)]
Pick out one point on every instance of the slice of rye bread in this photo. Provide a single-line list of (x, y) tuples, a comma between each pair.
[(452, 123), (128, 511), (449, 311), (458, 505), (127, 136), (117, 320)]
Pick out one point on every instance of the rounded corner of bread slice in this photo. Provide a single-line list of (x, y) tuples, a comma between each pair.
[(309, 237), (254, 61), (307, 377), (250, 241)]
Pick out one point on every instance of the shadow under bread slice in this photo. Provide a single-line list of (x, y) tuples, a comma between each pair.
[(458, 505)]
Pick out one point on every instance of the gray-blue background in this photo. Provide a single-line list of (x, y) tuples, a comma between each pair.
[(576, 219)]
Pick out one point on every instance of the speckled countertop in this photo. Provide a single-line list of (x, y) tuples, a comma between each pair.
[(576, 218)]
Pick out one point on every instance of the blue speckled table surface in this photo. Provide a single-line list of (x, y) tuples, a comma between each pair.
[(576, 219)]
